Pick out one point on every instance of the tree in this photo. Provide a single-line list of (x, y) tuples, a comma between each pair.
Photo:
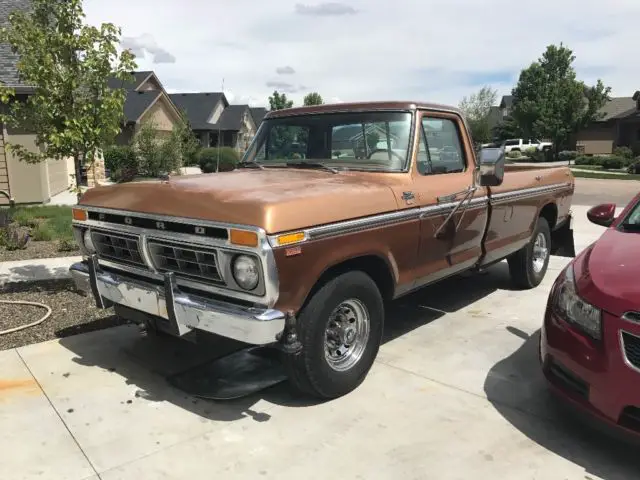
[(312, 98), (72, 110), (506, 129), (549, 101), (279, 101), (477, 108)]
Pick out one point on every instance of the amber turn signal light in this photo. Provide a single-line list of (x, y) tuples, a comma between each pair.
[(244, 238), (79, 214), (289, 238)]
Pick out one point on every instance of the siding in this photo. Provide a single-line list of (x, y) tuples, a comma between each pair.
[(597, 139), (161, 115), (4, 172)]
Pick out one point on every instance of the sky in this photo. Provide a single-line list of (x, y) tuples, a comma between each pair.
[(359, 50)]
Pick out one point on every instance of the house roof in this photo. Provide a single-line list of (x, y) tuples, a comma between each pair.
[(138, 78), (9, 60), (507, 101), (617, 107), (199, 107), (138, 102), (258, 114), (231, 118)]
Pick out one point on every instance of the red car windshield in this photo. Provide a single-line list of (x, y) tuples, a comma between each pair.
[(631, 222)]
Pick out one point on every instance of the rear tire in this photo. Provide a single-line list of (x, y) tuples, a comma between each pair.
[(528, 265), (340, 330)]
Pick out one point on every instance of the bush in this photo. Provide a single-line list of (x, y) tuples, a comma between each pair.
[(209, 157), (514, 154), (623, 152), (567, 155), (612, 163), (582, 160), (634, 167), (122, 162), (531, 152)]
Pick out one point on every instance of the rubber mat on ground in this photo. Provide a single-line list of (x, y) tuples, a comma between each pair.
[(237, 375)]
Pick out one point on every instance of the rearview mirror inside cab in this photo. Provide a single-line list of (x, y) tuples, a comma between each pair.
[(491, 162)]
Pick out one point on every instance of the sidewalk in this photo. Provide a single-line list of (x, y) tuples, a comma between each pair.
[(36, 270)]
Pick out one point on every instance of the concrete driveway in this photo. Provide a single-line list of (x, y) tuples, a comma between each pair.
[(456, 393)]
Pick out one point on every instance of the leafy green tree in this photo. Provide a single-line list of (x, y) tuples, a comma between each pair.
[(312, 98), (506, 129), (550, 102), (476, 108), (72, 111), (279, 101), (190, 146)]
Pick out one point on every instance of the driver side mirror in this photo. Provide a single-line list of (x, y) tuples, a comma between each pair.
[(603, 214), (491, 162)]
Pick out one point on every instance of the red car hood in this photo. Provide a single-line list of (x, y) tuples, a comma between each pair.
[(607, 272)]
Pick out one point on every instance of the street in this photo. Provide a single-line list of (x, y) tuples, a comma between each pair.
[(592, 191)]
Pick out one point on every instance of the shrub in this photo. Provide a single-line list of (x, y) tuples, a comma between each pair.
[(514, 154), (567, 155), (209, 158), (67, 245), (42, 232), (15, 237), (612, 163), (122, 162), (634, 167), (623, 152), (582, 160), (531, 152)]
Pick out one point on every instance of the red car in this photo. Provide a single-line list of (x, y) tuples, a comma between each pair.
[(590, 341)]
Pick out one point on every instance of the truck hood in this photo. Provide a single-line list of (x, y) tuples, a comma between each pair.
[(275, 199), (607, 272)]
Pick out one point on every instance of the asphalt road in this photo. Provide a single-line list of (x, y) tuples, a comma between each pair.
[(592, 191)]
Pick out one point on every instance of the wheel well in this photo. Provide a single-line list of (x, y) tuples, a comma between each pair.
[(550, 213), (373, 265)]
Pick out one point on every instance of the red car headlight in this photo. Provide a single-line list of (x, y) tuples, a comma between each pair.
[(574, 309)]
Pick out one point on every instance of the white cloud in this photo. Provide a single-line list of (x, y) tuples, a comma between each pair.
[(371, 50)]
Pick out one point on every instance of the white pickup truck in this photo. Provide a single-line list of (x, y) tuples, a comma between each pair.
[(522, 144)]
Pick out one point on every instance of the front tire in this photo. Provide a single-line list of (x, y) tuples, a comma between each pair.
[(340, 330), (528, 265)]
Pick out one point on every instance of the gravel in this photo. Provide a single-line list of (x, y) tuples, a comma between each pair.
[(72, 313), (35, 250)]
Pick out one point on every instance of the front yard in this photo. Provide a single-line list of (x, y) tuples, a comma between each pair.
[(36, 232)]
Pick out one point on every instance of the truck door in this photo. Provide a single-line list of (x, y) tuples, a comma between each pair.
[(443, 177)]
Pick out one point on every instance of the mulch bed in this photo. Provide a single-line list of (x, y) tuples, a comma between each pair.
[(36, 250), (73, 313)]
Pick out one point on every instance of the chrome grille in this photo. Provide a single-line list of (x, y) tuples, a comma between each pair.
[(118, 247), (189, 261)]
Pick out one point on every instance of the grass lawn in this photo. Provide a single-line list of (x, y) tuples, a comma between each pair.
[(605, 176), (49, 228), (45, 222)]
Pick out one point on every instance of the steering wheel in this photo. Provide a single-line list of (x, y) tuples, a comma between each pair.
[(400, 157)]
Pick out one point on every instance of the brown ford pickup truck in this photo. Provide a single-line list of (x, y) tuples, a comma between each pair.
[(333, 211)]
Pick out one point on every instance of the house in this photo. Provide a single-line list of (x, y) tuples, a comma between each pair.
[(146, 101), (26, 183), (618, 125), (217, 123)]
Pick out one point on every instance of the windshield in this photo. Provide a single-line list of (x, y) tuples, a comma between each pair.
[(632, 219), (377, 140)]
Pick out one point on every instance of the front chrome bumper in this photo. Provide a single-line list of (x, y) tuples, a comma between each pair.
[(257, 326)]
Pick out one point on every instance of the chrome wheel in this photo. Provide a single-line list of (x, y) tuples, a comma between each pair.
[(346, 335), (540, 252)]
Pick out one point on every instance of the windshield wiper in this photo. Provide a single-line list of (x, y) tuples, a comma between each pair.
[(249, 165), (313, 165)]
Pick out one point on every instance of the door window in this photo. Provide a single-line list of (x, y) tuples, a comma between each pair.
[(440, 149)]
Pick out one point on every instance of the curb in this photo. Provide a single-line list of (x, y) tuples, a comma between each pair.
[(36, 270)]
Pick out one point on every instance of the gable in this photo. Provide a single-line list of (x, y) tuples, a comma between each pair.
[(151, 82), (162, 113)]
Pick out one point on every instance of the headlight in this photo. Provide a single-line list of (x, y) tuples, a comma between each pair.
[(574, 309), (88, 242), (245, 272)]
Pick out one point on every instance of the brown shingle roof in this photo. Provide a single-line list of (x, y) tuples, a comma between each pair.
[(617, 107)]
